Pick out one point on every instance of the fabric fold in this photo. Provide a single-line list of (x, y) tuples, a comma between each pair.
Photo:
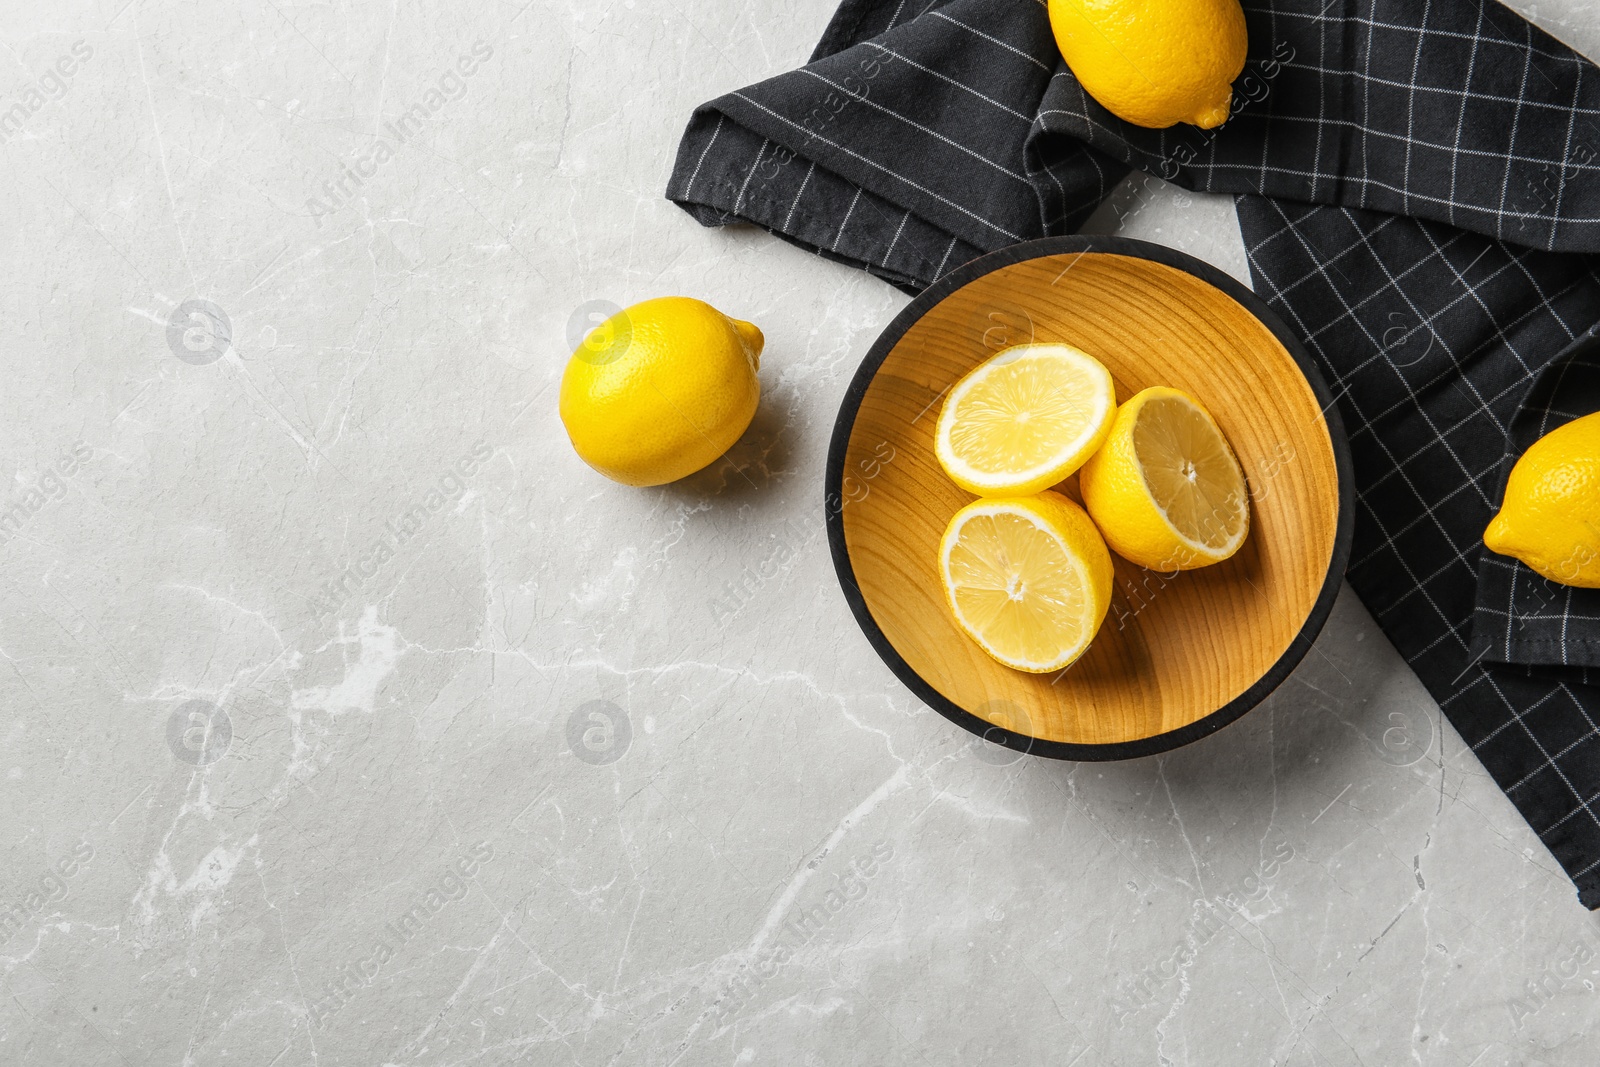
[(926, 124), (1459, 112)]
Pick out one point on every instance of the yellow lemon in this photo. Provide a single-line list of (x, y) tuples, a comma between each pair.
[(1027, 578), (1166, 490), (1550, 518), (660, 390), (1024, 419), (1154, 62)]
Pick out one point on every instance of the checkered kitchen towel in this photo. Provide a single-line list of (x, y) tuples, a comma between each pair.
[(1418, 187)]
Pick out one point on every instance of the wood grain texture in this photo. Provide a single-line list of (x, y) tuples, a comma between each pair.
[(1174, 648)]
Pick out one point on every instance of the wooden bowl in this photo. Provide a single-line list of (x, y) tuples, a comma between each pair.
[(1179, 656)]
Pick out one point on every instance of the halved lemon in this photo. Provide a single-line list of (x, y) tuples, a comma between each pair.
[(1027, 578), (1165, 489), (1024, 419)]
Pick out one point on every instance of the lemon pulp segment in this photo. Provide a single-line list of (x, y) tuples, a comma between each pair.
[(1028, 579), (1191, 472), (1025, 419), (1166, 489)]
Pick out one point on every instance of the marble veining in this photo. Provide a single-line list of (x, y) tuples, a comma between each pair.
[(349, 719)]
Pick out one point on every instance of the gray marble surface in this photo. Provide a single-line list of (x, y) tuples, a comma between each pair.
[(514, 793)]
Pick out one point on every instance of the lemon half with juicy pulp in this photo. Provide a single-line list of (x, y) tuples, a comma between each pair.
[(1027, 578), (1024, 419), (1166, 489)]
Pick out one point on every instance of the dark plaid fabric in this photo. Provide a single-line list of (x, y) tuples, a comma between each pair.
[(1430, 337), (1418, 187), (908, 153)]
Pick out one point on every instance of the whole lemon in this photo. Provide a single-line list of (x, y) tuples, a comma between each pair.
[(1550, 518), (661, 389), (1154, 62)]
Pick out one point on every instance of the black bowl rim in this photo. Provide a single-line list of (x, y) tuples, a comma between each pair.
[(834, 505)]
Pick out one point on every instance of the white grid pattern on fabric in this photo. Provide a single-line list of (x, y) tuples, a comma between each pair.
[(1534, 729)]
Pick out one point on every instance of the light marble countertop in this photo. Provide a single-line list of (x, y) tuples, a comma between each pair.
[(408, 839)]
